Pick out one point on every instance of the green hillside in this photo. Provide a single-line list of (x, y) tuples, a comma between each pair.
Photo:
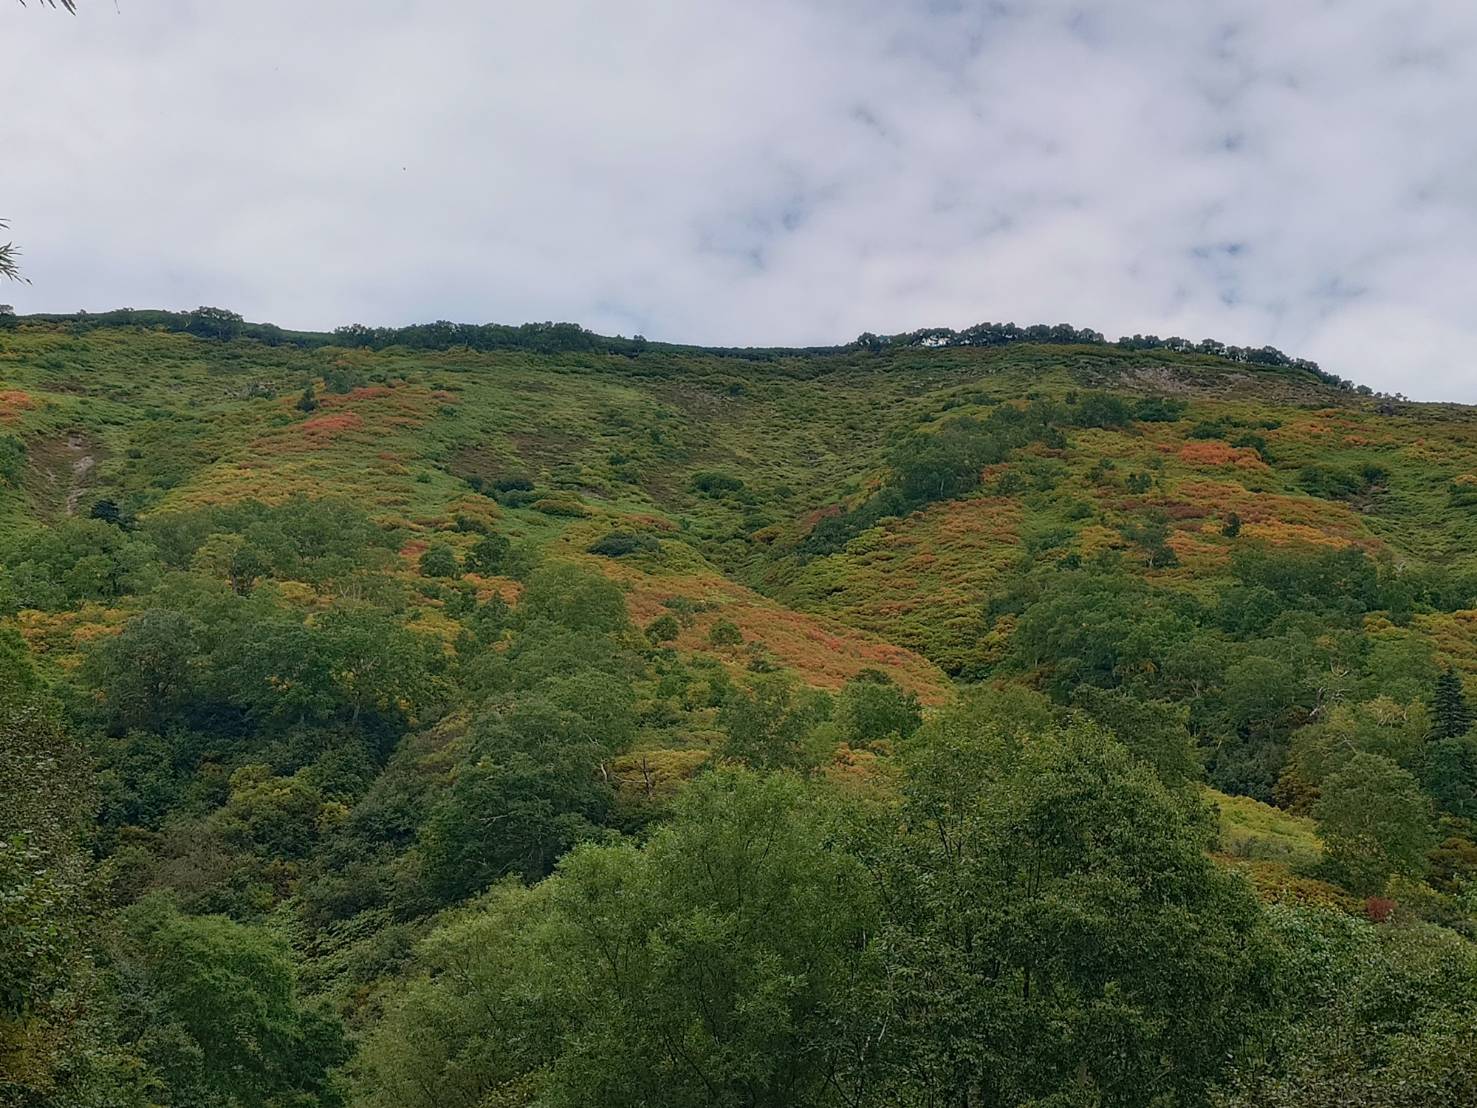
[(499, 716)]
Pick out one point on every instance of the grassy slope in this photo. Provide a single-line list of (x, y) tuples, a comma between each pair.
[(169, 420), (158, 420)]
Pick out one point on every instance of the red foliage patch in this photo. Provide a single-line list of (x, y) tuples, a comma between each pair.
[(329, 425), (1379, 908), (13, 401), (1180, 509), (1214, 453)]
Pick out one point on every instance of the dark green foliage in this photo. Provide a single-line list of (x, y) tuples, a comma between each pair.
[(150, 672), (18, 677), (725, 633), (1232, 527), (1374, 821), (1211, 429), (1046, 894), (513, 482), (1451, 716), (768, 722), (1103, 409), (529, 791), (1449, 774), (1098, 628), (342, 379), (1338, 483), (223, 1016), (491, 555), (439, 560), (60, 1043), (871, 708), (1338, 583), (12, 460), (1154, 731), (308, 401), (1151, 536), (77, 561), (1159, 409), (618, 544), (720, 965), (1255, 442), (317, 541), (1376, 1016), (716, 484), (663, 629), (944, 463), (43, 879), (109, 512), (266, 668), (568, 596), (214, 323)]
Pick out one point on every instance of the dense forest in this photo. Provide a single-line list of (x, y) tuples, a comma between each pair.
[(495, 716)]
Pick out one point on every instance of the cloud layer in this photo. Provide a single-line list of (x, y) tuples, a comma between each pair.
[(765, 171)]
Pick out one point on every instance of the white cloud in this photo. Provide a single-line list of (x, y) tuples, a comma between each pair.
[(765, 172)]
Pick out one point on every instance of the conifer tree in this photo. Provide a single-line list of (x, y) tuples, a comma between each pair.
[(1450, 713)]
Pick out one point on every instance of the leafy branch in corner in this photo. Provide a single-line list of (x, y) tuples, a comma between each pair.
[(8, 254)]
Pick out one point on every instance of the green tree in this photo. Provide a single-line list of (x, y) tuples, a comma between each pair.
[(439, 560), (227, 1025), (572, 597), (43, 893), (1058, 933), (945, 463), (490, 555), (1449, 774), (231, 557), (725, 963), (214, 323), (1154, 731), (1373, 1016), (725, 632), (664, 628), (1321, 749), (871, 707), (1100, 628), (529, 791), (1451, 716), (768, 722), (1374, 821), (149, 672)]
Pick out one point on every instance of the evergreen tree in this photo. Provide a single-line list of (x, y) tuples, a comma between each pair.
[(1451, 715)]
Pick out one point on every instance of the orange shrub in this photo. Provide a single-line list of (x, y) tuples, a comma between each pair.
[(13, 402), (327, 426)]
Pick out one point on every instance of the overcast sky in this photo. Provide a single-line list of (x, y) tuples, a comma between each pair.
[(1294, 172)]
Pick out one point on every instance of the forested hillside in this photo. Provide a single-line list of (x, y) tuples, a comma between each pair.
[(479, 717)]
